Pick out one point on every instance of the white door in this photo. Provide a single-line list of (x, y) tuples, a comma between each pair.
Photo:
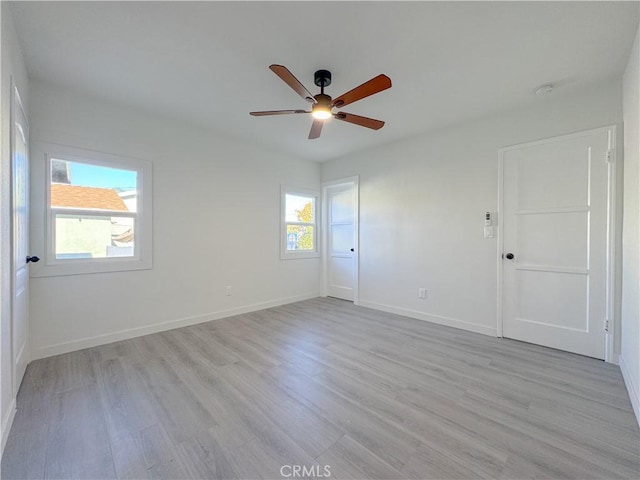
[(20, 242), (555, 241), (341, 203)]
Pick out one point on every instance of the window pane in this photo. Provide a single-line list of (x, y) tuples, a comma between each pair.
[(86, 236), (300, 237), (86, 186), (299, 209)]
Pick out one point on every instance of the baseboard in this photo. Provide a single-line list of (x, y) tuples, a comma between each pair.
[(7, 421), (632, 388), (65, 347), (440, 320), (23, 359)]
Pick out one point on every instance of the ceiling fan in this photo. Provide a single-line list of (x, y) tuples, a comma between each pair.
[(323, 104)]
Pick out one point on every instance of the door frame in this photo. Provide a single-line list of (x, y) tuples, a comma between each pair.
[(355, 181), (610, 280)]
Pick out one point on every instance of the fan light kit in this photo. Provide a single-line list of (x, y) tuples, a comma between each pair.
[(320, 113), (323, 104)]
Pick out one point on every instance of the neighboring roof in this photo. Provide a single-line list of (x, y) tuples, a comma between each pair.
[(74, 196)]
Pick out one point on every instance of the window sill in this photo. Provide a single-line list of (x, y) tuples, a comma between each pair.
[(83, 267), (298, 255)]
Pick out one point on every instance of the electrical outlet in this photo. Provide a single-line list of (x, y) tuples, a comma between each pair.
[(422, 293), (228, 290)]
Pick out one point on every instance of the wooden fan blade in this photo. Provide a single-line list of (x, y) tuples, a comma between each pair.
[(358, 120), (288, 78), (316, 129), (276, 112), (373, 86)]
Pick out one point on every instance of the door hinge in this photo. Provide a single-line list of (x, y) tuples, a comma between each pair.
[(606, 325), (610, 155)]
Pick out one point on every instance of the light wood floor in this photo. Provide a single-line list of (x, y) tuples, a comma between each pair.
[(322, 382)]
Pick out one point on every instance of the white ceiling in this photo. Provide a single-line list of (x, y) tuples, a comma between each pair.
[(207, 62)]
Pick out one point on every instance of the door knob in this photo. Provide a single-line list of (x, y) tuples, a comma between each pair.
[(33, 259), (352, 250), (509, 256)]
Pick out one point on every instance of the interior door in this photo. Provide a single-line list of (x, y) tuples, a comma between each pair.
[(341, 202), (555, 249), (20, 241)]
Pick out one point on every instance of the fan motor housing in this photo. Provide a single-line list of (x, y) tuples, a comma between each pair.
[(322, 78), (323, 100)]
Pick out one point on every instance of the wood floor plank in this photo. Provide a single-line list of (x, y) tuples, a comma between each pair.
[(265, 458), (25, 454), (257, 357), (233, 425), (199, 339), (510, 434), (160, 454), (210, 451), (586, 415), (78, 442), (534, 388), (148, 453), (348, 459), (64, 372), (322, 383), (621, 460), (181, 414), (252, 427), (389, 442), (192, 455), (128, 458), (283, 410), (123, 397), (428, 463), (465, 445)]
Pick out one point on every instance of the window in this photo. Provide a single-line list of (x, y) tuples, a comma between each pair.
[(98, 213), (93, 210), (299, 224)]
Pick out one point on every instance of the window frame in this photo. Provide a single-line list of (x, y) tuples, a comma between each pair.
[(297, 254), (142, 255)]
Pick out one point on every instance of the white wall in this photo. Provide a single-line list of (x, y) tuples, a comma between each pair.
[(12, 68), (422, 205), (216, 222), (630, 346)]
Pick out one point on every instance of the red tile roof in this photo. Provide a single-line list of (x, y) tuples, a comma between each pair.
[(74, 196)]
